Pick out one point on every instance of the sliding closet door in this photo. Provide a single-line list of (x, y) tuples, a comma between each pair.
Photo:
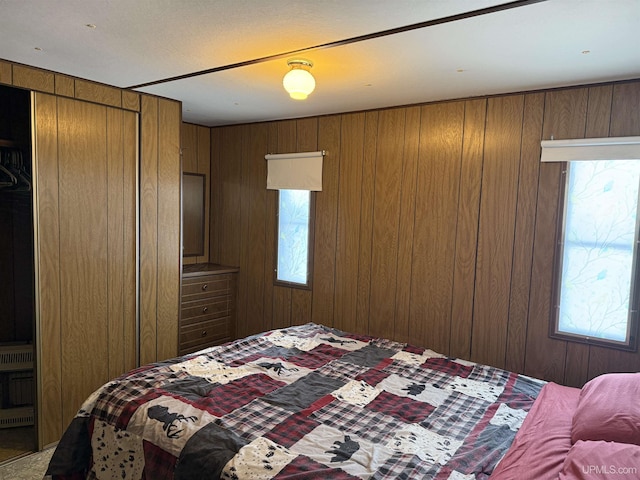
[(86, 173)]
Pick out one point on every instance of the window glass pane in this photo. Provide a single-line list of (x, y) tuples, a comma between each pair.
[(293, 235), (598, 249)]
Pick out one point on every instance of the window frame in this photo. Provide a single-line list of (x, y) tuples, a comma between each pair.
[(311, 240), (634, 296)]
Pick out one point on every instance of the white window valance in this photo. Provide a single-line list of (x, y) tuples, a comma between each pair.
[(610, 148), (295, 171)]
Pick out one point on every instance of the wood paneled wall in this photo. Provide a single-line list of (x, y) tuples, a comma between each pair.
[(196, 158), (436, 224)]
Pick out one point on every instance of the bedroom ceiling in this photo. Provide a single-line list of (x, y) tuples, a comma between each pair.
[(124, 43)]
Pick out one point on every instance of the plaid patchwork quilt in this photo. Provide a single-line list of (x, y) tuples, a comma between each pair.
[(299, 403)]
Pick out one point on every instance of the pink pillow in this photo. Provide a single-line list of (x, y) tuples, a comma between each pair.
[(601, 460), (609, 409)]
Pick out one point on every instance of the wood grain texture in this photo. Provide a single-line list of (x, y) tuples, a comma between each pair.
[(307, 141), (65, 86), (33, 79), (189, 146), (203, 138), (252, 272), (83, 251), (6, 72), (326, 205), (215, 198), (435, 229), (196, 158), (115, 241), (348, 230), (286, 143), (524, 231), (496, 229), (625, 114), (467, 228), (130, 100), (98, 93), (130, 234), (47, 245), (148, 229), (168, 237), (270, 233), (231, 192), (411, 149), (366, 221), (462, 192), (244, 229), (386, 221), (564, 117)]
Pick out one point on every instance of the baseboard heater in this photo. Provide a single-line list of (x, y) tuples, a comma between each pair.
[(16, 357), (16, 386), (16, 417)]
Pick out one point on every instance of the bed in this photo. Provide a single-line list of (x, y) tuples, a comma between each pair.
[(588, 434), (296, 403)]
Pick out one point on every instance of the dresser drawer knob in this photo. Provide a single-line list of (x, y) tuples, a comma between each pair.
[(205, 286), (204, 333), (205, 309)]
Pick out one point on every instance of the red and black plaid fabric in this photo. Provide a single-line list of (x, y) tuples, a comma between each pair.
[(303, 402)]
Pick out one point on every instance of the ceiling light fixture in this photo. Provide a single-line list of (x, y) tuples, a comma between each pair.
[(298, 81)]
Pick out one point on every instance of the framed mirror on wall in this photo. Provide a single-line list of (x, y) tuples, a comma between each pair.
[(193, 189)]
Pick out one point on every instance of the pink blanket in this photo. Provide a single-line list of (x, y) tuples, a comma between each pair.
[(542, 443)]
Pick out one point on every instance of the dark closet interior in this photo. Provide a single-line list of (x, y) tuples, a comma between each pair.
[(17, 322)]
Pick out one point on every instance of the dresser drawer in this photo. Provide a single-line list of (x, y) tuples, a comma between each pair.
[(205, 286), (207, 309), (204, 334)]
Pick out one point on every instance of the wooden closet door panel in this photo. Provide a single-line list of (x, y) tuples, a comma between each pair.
[(47, 241), (159, 228), (130, 233), (168, 228), (83, 198), (148, 229), (115, 238), (121, 237)]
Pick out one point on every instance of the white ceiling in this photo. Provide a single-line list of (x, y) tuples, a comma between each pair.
[(138, 41)]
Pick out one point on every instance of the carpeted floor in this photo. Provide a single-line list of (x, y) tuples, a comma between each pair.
[(30, 467), (15, 442)]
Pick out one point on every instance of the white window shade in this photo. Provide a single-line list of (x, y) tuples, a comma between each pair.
[(612, 148), (295, 171)]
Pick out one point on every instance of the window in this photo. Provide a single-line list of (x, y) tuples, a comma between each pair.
[(295, 238), (597, 260), (295, 176)]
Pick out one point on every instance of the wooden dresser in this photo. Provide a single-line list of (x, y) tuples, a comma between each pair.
[(207, 311)]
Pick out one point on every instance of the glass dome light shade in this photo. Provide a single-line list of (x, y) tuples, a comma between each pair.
[(299, 83)]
